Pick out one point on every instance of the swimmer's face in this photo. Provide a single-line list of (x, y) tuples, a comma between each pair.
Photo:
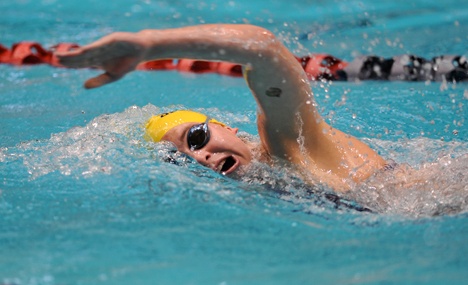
[(223, 152)]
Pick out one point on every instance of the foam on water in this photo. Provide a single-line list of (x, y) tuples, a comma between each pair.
[(430, 179)]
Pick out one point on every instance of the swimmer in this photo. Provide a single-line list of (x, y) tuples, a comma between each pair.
[(290, 128)]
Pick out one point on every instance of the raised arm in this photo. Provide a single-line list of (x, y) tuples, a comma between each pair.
[(288, 122), (276, 79)]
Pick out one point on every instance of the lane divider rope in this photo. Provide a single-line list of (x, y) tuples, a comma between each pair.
[(30, 53), (316, 66)]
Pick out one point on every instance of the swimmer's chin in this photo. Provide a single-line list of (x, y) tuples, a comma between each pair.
[(237, 172)]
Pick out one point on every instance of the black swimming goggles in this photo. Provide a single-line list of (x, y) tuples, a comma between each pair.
[(198, 136)]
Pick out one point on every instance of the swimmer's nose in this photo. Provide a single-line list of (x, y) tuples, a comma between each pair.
[(203, 157)]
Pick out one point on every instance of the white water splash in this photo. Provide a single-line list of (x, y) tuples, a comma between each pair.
[(431, 179)]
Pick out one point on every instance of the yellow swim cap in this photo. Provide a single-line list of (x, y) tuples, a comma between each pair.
[(157, 126)]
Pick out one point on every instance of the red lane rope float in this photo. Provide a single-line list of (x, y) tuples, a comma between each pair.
[(26, 53), (29, 53), (230, 69), (319, 66), (322, 66), (4, 54), (164, 64)]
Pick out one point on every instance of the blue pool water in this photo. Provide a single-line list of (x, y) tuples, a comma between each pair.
[(84, 200)]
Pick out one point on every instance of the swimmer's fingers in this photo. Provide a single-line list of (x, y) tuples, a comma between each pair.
[(108, 48), (116, 54), (96, 57), (84, 57), (101, 80)]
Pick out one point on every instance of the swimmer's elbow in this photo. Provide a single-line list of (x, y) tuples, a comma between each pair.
[(260, 30), (145, 32), (148, 34), (262, 43), (262, 35)]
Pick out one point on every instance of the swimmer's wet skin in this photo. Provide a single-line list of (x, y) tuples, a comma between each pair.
[(197, 137), (289, 125)]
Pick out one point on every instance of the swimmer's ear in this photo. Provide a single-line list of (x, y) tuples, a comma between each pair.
[(233, 130)]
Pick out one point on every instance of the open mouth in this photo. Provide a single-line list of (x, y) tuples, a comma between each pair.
[(228, 165)]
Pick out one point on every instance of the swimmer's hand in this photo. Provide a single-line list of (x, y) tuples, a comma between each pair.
[(117, 54)]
